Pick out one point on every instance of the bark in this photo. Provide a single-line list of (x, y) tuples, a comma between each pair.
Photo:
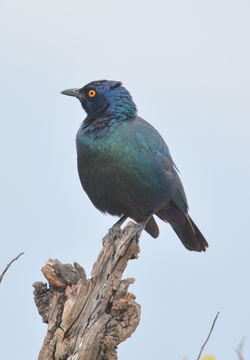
[(88, 318)]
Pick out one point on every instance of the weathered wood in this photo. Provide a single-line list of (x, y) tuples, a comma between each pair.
[(88, 318)]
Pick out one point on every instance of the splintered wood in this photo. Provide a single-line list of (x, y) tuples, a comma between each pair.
[(88, 318)]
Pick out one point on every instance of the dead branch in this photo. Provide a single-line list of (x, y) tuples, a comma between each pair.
[(208, 337), (8, 265), (239, 350), (88, 318)]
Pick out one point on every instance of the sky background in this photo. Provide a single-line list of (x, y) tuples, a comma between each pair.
[(186, 64)]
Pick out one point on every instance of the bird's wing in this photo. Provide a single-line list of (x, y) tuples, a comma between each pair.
[(154, 145), (151, 141)]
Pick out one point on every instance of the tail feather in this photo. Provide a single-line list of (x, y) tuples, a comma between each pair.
[(190, 235), (199, 235), (185, 228), (152, 228)]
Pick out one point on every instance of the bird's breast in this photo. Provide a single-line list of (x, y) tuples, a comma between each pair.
[(117, 175)]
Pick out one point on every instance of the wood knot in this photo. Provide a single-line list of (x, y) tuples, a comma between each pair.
[(61, 275)]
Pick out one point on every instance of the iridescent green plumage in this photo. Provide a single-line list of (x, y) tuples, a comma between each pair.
[(125, 166)]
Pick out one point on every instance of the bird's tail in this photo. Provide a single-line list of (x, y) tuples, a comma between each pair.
[(185, 228), (151, 226)]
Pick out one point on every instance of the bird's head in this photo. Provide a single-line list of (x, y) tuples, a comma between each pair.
[(104, 98)]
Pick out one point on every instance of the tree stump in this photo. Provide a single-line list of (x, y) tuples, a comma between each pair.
[(88, 318)]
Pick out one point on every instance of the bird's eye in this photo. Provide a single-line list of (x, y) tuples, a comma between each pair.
[(92, 93)]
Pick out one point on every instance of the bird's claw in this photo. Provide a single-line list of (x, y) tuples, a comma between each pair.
[(136, 232)]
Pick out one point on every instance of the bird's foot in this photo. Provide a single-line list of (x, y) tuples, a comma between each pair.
[(139, 227), (115, 232)]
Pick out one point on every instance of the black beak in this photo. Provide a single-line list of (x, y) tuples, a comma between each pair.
[(72, 92)]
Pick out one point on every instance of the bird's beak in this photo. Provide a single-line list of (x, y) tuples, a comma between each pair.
[(72, 92)]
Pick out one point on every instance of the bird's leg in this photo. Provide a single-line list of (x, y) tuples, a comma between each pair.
[(138, 228), (141, 225), (115, 231)]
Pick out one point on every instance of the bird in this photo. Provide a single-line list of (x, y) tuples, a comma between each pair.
[(125, 166)]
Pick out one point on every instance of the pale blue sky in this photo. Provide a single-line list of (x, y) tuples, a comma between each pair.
[(186, 63)]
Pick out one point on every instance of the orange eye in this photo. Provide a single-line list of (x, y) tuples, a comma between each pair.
[(92, 93)]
